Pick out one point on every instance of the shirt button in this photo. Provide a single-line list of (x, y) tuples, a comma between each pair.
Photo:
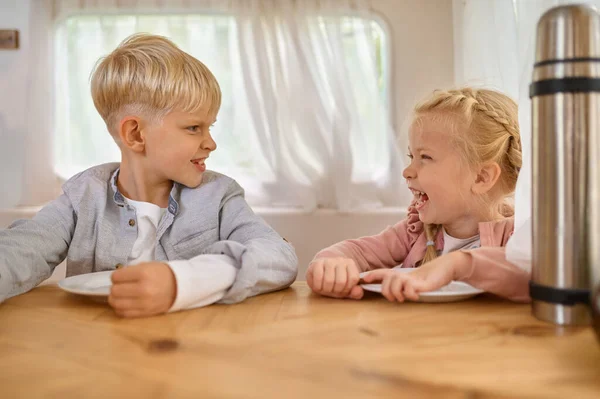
[(118, 266), (131, 222)]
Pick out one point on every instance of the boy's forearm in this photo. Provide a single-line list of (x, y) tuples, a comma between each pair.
[(277, 271), (202, 280), (22, 267), (31, 249), (264, 265), (266, 261)]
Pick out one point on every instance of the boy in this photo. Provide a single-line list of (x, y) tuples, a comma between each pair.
[(187, 235)]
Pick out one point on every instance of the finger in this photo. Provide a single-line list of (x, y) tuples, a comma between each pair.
[(127, 274), (341, 278), (423, 285), (375, 275), (124, 304), (356, 292), (410, 292), (310, 276), (385, 289), (331, 295), (126, 290), (328, 278), (318, 272), (353, 278), (396, 288)]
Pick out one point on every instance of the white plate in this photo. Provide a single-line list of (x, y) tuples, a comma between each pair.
[(91, 284), (453, 292)]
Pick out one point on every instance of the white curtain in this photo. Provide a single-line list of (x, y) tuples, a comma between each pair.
[(485, 51), (304, 121), (495, 47)]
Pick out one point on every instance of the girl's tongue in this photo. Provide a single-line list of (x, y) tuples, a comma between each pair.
[(421, 201)]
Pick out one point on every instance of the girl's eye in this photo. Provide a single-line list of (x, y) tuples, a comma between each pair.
[(410, 156), (424, 156)]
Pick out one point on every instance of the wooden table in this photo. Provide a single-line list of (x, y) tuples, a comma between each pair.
[(291, 344)]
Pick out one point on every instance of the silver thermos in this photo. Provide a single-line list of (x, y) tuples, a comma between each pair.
[(565, 94)]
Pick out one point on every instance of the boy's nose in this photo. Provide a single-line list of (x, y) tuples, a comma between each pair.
[(209, 144)]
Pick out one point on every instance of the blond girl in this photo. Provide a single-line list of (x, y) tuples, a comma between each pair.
[(465, 156)]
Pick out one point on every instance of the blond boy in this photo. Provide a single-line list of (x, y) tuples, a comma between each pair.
[(179, 235)]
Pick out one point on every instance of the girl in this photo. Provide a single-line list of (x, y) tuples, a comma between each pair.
[(465, 156)]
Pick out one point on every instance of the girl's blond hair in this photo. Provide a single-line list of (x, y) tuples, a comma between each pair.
[(488, 132), (149, 74)]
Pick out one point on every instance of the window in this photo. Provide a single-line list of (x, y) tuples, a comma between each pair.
[(81, 139)]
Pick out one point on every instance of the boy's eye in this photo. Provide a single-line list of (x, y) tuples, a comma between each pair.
[(194, 128)]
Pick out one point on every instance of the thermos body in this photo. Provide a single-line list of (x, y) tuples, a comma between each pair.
[(565, 94)]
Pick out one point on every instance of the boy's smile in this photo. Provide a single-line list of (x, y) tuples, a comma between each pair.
[(199, 164)]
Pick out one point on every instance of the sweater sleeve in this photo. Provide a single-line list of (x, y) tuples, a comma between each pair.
[(492, 272), (31, 249), (265, 262), (384, 250)]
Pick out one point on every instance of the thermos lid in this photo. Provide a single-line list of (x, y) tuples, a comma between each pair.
[(568, 33)]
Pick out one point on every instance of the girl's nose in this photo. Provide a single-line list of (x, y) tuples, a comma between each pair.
[(408, 172)]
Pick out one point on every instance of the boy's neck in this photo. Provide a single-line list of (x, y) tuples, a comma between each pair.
[(135, 184)]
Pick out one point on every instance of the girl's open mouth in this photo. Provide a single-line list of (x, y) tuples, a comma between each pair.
[(421, 198)]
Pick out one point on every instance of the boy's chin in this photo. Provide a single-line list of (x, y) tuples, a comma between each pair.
[(190, 183)]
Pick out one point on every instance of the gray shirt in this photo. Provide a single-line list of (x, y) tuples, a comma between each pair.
[(93, 227)]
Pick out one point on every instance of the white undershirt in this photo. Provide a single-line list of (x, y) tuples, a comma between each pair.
[(454, 244), (201, 280), (148, 215)]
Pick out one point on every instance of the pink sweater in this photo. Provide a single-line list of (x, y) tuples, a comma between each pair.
[(405, 243)]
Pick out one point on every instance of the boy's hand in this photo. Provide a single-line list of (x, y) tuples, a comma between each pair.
[(145, 289), (396, 286), (334, 277)]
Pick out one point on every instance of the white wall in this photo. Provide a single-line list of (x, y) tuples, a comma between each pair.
[(14, 14), (422, 61), (423, 53)]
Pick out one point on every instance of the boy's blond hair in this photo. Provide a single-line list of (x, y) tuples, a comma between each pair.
[(489, 132), (149, 75)]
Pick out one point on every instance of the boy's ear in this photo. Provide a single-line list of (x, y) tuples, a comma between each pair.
[(130, 133), (487, 176)]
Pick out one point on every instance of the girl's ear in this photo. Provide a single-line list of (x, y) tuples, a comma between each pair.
[(486, 178)]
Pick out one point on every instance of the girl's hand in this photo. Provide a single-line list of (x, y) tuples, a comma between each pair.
[(145, 289), (396, 286), (334, 277)]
